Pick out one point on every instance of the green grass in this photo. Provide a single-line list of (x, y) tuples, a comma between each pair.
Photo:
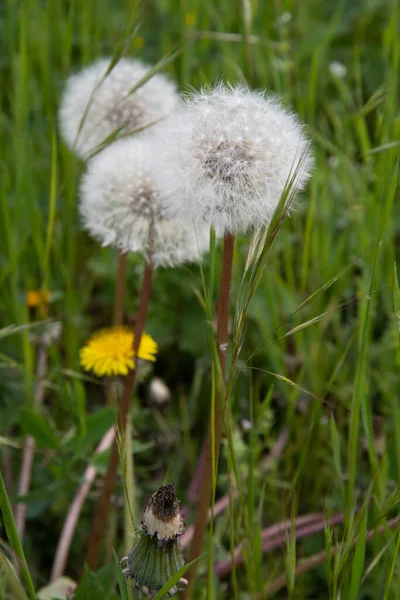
[(321, 348)]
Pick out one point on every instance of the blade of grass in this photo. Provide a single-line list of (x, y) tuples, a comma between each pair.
[(13, 538)]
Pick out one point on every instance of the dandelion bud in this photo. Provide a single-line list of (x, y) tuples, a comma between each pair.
[(157, 555), (121, 205), (229, 154), (95, 104)]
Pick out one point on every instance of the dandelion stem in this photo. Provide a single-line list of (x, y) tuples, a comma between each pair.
[(103, 505), (215, 427), (71, 520), (119, 303)]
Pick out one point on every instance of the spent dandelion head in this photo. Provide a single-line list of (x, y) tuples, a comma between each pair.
[(228, 154), (121, 205), (157, 554), (95, 104), (110, 351)]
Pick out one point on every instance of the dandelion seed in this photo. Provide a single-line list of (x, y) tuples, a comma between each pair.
[(110, 351), (121, 205), (94, 106), (228, 155)]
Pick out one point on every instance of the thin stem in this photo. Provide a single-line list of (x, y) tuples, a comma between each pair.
[(215, 427), (120, 286), (103, 505), (29, 447), (129, 507), (112, 384), (74, 511)]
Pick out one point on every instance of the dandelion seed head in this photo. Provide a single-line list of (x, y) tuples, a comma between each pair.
[(121, 205), (93, 107), (228, 155)]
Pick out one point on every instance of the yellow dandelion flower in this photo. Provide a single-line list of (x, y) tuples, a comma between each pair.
[(109, 351), (36, 298)]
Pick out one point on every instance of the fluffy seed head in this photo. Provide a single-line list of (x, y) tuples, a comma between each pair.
[(162, 516), (103, 105), (121, 205), (228, 155)]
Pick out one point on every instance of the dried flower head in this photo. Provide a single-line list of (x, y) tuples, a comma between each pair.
[(94, 105), (162, 516), (157, 554), (121, 205), (110, 351), (228, 155)]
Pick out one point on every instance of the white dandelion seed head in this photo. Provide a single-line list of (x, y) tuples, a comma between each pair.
[(104, 109), (121, 205), (228, 155)]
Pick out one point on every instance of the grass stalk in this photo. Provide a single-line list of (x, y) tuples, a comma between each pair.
[(13, 537), (310, 563), (103, 505), (214, 436)]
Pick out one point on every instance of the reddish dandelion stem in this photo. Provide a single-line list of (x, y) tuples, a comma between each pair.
[(119, 303), (200, 521)]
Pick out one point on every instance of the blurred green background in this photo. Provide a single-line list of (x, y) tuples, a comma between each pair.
[(330, 278)]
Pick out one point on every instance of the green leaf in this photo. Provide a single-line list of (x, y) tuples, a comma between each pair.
[(97, 424), (36, 425)]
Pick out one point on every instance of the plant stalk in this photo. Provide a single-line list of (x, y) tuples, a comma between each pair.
[(120, 286), (103, 505), (216, 425), (29, 447)]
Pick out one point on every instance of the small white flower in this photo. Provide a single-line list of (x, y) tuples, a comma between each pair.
[(93, 107), (121, 205), (338, 69), (229, 153)]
